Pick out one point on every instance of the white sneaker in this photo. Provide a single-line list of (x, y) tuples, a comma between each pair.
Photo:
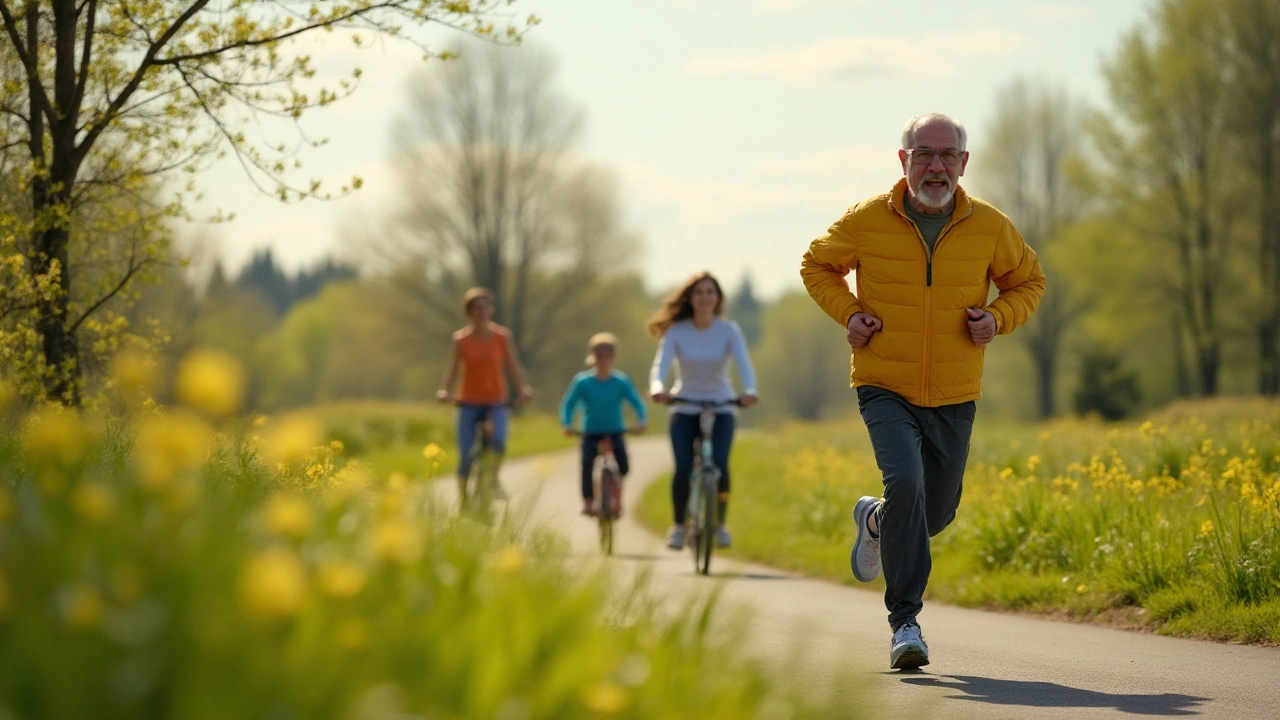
[(675, 537), (908, 650), (723, 538), (865, 558)]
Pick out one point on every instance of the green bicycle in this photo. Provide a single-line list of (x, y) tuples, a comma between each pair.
[(703, 517)]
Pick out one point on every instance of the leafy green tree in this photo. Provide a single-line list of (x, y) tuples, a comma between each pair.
[(1037, 134), (1173, 178), (1249, 58), (746, 310), (492, 196), (110, 94), (802, 362)]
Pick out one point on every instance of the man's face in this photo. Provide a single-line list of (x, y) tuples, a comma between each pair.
[(933, 165)]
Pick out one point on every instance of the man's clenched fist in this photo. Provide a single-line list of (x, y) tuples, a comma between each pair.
[(861, 327)]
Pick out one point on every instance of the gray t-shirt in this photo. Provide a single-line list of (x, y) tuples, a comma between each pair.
[(930, 225)]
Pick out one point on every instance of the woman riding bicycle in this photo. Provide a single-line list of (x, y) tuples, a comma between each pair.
[(692, 333), (485, 353), (601, 391)]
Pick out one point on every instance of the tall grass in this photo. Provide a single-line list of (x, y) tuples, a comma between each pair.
[(1173, 521), (179, 563)]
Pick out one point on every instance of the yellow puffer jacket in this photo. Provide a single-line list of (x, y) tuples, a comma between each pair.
[(924, 352)]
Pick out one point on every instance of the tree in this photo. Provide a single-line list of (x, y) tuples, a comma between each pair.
[(803, 360), (1172, 177), (1249, 55), (111, 94), (745, 309), (1038, 132), (493, 197)]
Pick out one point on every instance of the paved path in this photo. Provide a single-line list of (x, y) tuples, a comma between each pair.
[(984, 665)]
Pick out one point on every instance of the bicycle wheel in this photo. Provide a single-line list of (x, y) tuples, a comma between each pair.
[(693, 519), (608, 487), (707, 538), (484, 471)]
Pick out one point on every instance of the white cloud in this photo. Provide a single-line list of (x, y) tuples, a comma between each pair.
[(853, 58), (1058, 11)]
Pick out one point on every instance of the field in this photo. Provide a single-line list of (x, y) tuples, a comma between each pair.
[(1170, 523), (182, 562)]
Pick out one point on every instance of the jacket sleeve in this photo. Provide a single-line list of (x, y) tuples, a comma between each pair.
[(633, 397), (1015, 269), (823, 269), (746, 373)]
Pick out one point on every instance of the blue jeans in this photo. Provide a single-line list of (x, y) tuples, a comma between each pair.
[(468, 416), (684, 429), (921, 452)]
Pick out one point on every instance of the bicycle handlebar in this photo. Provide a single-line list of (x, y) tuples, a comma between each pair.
[(705, 403)]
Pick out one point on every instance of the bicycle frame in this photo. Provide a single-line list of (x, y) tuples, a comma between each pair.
[(703, 513)]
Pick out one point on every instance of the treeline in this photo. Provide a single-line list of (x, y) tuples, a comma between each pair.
[(1157, 216)]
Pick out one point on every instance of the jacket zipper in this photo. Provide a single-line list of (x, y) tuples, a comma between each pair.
[(928, 284)]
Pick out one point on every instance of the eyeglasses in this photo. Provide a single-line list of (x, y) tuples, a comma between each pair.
[(925, 156)]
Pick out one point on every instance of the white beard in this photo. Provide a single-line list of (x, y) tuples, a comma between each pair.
[(935, 199)]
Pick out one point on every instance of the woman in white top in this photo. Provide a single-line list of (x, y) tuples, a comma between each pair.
[(692, 332)]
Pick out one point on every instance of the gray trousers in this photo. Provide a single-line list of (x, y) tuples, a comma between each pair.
[(921, 452)]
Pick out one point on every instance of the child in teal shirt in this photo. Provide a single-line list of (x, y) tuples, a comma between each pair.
[(600, 390)]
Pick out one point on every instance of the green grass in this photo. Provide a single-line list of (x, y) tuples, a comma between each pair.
[(391, 436), (1172, 522), (156, 568)]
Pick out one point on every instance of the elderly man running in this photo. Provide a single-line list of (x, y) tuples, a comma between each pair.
[(924, 256)]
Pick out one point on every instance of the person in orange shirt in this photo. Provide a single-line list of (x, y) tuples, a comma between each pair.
[(485, 353)]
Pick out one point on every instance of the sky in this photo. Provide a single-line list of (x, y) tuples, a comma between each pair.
[(739, 130)]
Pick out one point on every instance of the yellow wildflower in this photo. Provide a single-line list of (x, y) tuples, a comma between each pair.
[(1032, 463), (133, 371), (81, 606), (342, 579), (210, 381), (259, 420), (396, 540), (94, 501), (273, 584), (336, 446), (606, 698), (291, 440), (1206, 527), (1082, 588), (433, 453), (288, 515), (169, 445), (509, 560), (397, 481), (56, 435)]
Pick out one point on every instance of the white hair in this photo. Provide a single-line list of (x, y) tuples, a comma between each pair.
[(909, 130)]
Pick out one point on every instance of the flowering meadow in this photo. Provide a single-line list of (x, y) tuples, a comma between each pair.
[(188, 562), (1171, 522)]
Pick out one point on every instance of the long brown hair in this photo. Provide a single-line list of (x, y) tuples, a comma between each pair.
[(677, 305)]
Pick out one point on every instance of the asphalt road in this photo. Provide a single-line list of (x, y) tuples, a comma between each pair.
[(834, 638)]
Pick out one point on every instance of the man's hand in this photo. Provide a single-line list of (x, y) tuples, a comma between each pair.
[(861, 327), (442, 396), (982, 326)]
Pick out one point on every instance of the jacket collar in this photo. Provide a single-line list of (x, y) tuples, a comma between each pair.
[(898, 201)]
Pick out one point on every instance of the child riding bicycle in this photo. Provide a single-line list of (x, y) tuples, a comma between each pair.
[(600, 390)]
